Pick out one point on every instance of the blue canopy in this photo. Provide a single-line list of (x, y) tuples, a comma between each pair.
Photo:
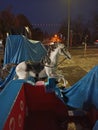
[(18, 48)]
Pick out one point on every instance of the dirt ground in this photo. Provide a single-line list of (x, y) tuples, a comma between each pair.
[(82, 62)]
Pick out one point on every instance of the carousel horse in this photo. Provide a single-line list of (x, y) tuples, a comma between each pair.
[(46, 67), (54, 51)]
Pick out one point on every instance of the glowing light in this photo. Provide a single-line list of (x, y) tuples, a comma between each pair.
[(55, 38)]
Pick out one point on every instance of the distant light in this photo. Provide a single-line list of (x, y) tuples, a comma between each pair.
[(55, 38), (55, 35), (0, 41)]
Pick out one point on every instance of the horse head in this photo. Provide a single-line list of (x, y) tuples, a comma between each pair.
[(66, 53), (62, 49)]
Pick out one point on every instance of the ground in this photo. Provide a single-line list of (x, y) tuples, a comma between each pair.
[(82, 61)]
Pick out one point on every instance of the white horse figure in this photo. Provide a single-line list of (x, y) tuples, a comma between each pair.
[(46, 67), (55, 50)]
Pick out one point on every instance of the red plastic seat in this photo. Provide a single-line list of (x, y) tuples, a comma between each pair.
[(45, 110)]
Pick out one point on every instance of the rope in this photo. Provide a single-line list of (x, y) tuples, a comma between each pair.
[(55, 65)]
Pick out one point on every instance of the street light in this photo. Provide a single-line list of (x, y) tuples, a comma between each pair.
[(68, 35)]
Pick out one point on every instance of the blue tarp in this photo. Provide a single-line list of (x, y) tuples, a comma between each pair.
[(18, 48), (84, 93), (96, 126)]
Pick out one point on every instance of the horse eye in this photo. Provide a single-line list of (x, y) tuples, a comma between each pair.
[(62, 50)]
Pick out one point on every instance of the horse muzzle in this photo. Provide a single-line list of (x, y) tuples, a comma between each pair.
[(66, 53)]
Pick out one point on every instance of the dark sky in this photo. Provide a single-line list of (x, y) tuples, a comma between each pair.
[(50, 11)]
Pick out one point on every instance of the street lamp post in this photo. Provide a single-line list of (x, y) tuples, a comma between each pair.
[(68, 35)]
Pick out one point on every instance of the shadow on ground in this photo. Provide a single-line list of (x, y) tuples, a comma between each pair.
[(73, 74)]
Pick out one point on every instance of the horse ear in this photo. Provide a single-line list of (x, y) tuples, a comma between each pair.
[(48, 60), (45, 60)]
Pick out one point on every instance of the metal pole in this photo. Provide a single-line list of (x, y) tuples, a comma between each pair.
[(68, 35)]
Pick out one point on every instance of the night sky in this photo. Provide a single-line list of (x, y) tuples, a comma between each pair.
[(51, 11)]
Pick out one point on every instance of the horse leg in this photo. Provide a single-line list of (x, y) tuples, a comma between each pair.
[(42, 74), (64, 81), (61, 78), (50, 71)]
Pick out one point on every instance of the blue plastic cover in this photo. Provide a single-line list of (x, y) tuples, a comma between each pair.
[(84, 93), (19, 48), (96, 126)]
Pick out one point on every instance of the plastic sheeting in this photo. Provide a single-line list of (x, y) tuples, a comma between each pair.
[(84, 93), (19, 48), (96, 126)]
